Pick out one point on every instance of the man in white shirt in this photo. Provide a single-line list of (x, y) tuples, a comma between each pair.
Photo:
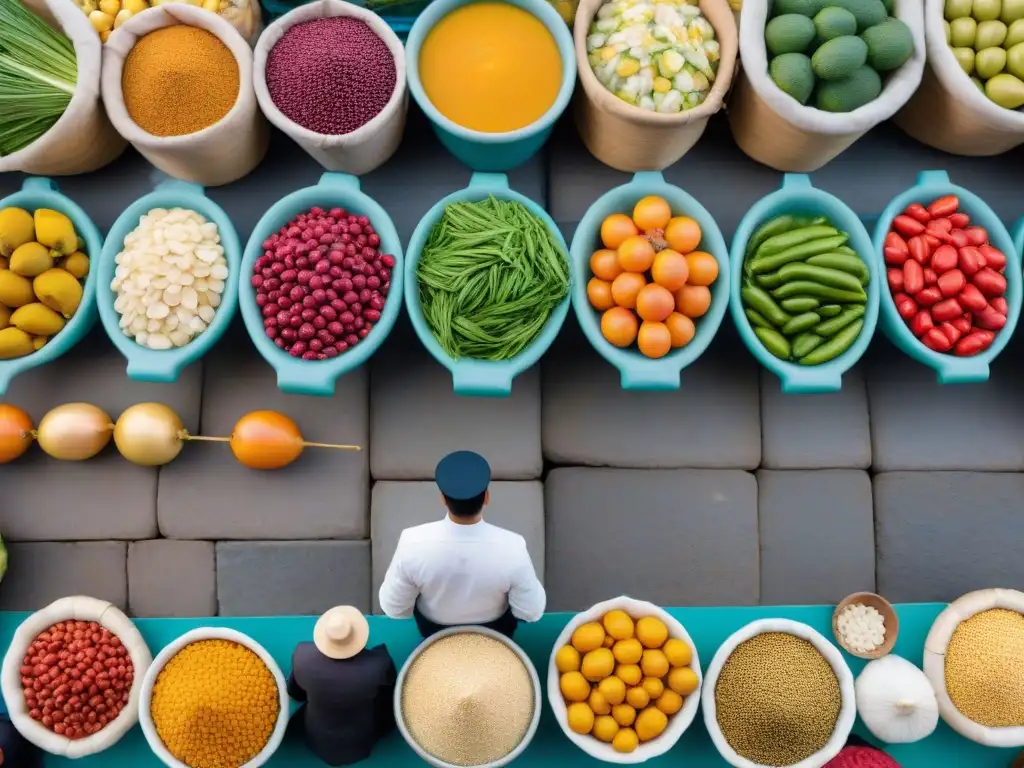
[(461, 570)]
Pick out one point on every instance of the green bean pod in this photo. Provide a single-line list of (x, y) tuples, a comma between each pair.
[(794, 237), (827, 292), (774, 342), (756, 319), (762, 264), (835, 346), (799, 304), (768, 230), (840, 321), (844, 262), (830, 310), (763, 304), (806, 343), (800, 271), (801, 323)]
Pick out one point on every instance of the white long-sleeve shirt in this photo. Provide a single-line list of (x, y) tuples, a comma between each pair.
[(462, 574)]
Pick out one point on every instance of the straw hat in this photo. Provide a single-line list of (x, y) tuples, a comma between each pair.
[(341, 633)]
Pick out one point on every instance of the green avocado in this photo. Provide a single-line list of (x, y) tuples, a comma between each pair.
[(793, 74), (861, 87), (791, 33), (838, 58), (867, 12), (890, 45)]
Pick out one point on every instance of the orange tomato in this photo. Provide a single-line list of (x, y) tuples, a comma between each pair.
[(670, 269), (683, 234), (625, 288), (693, 300), (600, 294), (654, 339), (619, 326), (703, 268), (266, 440), (605, 264), (652, 212), (681, 328), (616, 228), (15, 432), (654, 302), (636, 254)]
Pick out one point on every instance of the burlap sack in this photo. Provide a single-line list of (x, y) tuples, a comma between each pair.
[(632, 139), (365, 148), (83, 139), (948, 112), (219, 154), (775, 129)]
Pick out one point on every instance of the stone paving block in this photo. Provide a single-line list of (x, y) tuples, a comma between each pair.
[(416, 419), (267, 578), (942, 534), (817, 536), (40, 572), (395, 506), (168, 578), (815, 431), (674, 537), (206, 494)]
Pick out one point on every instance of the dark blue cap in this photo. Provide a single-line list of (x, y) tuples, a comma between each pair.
[(462, 475)]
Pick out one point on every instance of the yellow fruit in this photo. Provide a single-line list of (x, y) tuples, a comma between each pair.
[(574, 686), (37, 319), (15, 290), (14, 342), (110, 7), (77, 264), (16, 229), (628, 651), (653, 686), (669, 702), (613, 690), (30, 259), (5, 317), (618, 624), (598, 703), (624, 714), (135, 6), (654, 663), (678, 652), (588, 637), (625, 740), (53, 228), (105, 35), (652, 632), (598, 664), (650, 723), (605, 728), (58, 290), (101, 22), (637, 697), (38, 342), (580, 718), (567, 659), (630, 674), (683, 680), (609, 641)]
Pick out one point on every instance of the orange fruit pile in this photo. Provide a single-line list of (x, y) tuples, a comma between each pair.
[(649, 280)]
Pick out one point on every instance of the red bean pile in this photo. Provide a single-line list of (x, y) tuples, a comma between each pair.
[(321, 283), (77, 677), (946, 278)]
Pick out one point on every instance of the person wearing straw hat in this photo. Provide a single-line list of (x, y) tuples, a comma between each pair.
[(461, 570), (347, 690)]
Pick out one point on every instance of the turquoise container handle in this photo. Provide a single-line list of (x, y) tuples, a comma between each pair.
[(949, 368), (638, 372), (164, 366), (318, 377), (479, 378), (798, 196), (41, 192)]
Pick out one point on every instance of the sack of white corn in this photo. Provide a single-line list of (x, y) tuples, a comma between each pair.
[(653, 73), (775, 128), (108, 15), (52, 120)]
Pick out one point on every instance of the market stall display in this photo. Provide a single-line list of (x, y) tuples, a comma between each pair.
[(865, 625), (896, 701), (107, 15)]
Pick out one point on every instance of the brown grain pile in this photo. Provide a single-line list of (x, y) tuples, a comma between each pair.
[(985, 668)]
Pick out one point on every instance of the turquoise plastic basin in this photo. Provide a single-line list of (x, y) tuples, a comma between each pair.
[(165, 365), (492, 151), (317, 377), (482, 378), (38, 192), (950, 368), (639, 372), (797, 196)]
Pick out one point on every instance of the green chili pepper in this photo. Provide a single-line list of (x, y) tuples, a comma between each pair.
[(827, 292), (835, 278), (800, 304), (805, 343), (840, 321), (845, 263), (774, 342), (762, 264), (835, 346), (794, 237), (763, 304), (756, 320), (830, 310), (801, 323)]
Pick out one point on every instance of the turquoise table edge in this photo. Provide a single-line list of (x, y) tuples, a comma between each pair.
[(709, 627)]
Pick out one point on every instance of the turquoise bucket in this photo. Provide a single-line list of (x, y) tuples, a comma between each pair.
[(798, 196), (163, 366), (481, 378), (318, 377), (950, 368), (639, 372), (38, 192), (492, 151)]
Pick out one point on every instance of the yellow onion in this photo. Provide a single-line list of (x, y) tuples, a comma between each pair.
[(149, 434), (74, 431)]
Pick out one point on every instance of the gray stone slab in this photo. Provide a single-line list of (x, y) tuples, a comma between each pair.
[(40, 572), (168, 578), (674, 537), (817, 535), (815, 431), (268, 578), (518, 507), (942, 534), (206, 494), (416, 419)]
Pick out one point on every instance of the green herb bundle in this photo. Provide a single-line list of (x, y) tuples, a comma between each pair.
[(489, 277), (38, 72)]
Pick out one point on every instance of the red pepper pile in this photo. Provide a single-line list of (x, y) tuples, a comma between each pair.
[(946, 279)]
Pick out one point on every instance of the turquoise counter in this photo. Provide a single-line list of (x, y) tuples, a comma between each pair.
[(708, 626)]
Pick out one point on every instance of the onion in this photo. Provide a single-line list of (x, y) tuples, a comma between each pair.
[(74, 431), (15, 432), (149, 434), (266, 440)]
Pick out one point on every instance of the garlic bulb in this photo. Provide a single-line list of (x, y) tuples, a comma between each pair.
[(896, 701)]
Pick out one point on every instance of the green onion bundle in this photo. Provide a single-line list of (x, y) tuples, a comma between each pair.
[(489, 277), (38, 72)]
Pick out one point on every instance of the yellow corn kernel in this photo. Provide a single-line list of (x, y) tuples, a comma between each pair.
[(110, 7), (662, 85), (211, 5), (627, 67), (101, 22), (608, 53), (88, 7), (135, 6), (122, 16)]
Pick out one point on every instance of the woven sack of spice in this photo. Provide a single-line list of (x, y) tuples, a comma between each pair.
[(632, 139), (357, 151), (83, 139), (211, 152), (775, 129)]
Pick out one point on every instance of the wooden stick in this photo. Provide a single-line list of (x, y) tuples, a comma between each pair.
[(335, 446), (186, 436)]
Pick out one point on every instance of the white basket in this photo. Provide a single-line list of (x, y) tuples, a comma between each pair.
[(212, 633), (78, 608), (847, 710), (677, 724), (935, 647)]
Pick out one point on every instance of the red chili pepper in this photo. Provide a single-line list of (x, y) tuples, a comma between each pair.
[(928, 296), (919, 212), (894, 257), (952, 282), (976, 235), (971, 299), (964, 323), (952, 332), (907, 226), (936, 340), (919, 250), (970, 260), (939, 228), (905, 305), (989, 319), (895, 277), (989, 282), (893, 240), (931, 277), (913, 275), (975, 342), (999, 305), (959, 220), (946, 310), (944, 206), (958, 238), (922, 323), (944, 258), (993, 257)]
